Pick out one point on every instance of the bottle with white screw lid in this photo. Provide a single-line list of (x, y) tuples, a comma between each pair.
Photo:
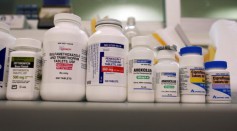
[(141, 71), (167, 75), (64, 60), (107, 63), (217, 82), (192, 75), (25, 70), (7, 41)]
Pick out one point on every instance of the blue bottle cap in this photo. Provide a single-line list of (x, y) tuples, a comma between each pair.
[(191, 50), (216, 64)]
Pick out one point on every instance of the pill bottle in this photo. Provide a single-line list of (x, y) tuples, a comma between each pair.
[(25, 70), (192, 75), (167, 75), (217, 82), (64, 60), (107, 63), (7, 41), (140, 71)]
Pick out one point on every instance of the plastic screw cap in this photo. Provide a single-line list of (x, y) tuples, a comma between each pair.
[(4, 26), (191, 50), (28, 42), (216, 64), (140, 40), (67, 16)]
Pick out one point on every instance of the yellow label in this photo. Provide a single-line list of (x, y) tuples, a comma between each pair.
[(197, 76)]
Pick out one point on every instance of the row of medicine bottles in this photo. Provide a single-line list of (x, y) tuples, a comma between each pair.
[(75, 67)]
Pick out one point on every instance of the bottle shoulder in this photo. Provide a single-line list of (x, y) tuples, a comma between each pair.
[(24, 53), (216, 70), (6, 38), (141, 51), (168, 64), (108, 36)]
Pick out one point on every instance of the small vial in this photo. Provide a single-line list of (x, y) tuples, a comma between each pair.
[(140, 71), (167, 75), (192, 75), (217, 82), (25, 70)]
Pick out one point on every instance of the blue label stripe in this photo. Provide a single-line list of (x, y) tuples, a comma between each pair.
[(142, 89), (225, 91), (202, 85), (112, 45), (101, 74), (2, 63), (169, 74), (143, 61)]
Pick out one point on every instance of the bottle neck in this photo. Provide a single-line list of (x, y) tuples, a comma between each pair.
[(67, 24), (109, 26), (166, 55), (166, 60)]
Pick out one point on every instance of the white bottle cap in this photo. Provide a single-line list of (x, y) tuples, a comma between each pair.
[(140, 40), (28, 43), (5, 27), (67, 17)]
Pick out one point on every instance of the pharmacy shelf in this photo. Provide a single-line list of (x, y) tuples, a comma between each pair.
[(67, 116)]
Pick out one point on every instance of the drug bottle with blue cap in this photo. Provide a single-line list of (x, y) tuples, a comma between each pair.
[(217, 82), (192, 75)]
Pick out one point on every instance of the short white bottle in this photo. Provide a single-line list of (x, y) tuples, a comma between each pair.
[(6, 42), (107, 63), (64, 60), (140, 71), (217, 82), (192, 75), (167, 75), (25, 70)]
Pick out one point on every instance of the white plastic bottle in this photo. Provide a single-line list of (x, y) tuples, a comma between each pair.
[(217, 82), (106, 63), (6, 42), (25, 70), (192, 75), (140, 71), (64, 60), (167, 75)]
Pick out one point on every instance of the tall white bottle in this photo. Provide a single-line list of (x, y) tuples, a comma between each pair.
[(167, 75), (140, 71), (64, 60), (107, 63), (6, 43)]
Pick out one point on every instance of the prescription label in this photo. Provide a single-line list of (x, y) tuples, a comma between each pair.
[(64, 62), (218, 86), (140, 74), (192, 80), (167, 84), (106, 64), (24, 74)]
